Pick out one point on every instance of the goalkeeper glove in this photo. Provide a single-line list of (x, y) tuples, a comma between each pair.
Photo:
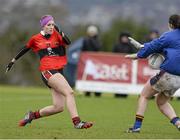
[(135, 43), (132, 56)]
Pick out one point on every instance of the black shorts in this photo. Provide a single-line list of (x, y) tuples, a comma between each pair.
[(45, 75)]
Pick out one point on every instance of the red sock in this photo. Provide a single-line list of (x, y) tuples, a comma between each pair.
[(37, 114), (76, 120)]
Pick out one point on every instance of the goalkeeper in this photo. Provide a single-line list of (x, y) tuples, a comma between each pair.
[(167, 81)]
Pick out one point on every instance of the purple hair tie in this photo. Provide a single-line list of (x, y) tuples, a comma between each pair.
[(45, 19)]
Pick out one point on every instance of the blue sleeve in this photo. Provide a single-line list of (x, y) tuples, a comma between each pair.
[(155, 46)]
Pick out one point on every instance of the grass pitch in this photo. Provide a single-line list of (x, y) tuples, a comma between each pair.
[(112, 116)]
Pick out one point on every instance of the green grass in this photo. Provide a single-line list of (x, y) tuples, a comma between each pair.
[(111, 117)]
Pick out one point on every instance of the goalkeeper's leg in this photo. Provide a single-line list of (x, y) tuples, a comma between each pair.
[(167, 109), (145, 95)]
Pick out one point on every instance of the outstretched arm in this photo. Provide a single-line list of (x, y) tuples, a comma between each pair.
[(21, 53), (135, 43), (131, 56)]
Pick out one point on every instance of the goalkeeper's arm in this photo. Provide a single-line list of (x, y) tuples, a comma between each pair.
[(135, 43)]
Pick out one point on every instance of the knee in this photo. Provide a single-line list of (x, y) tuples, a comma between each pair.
[(144, 96), (58, 109), (69, 93), (159, 102)]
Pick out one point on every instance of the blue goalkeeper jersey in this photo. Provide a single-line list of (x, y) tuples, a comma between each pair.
[(168, 44)]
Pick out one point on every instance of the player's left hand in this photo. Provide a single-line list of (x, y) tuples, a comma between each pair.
[(65, 38), (132, 56)]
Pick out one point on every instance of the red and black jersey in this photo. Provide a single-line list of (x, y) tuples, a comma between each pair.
[(39, 42)]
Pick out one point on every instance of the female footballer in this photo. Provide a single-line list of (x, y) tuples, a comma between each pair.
[(50, 45), (167, 81)]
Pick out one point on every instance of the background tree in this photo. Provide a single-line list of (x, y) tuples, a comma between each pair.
[(137, 30)]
